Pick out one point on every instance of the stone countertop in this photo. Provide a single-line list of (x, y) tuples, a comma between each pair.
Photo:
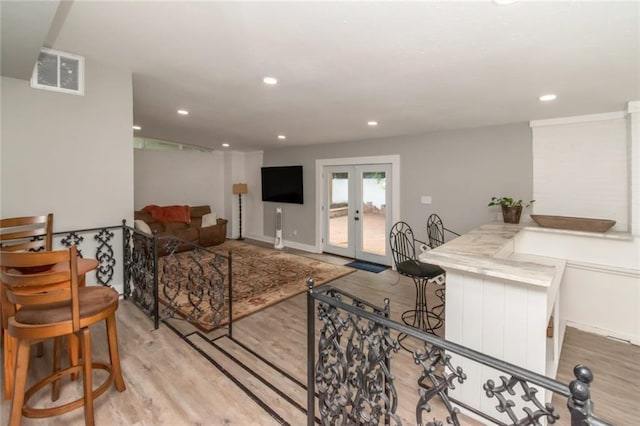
[(488, 250)]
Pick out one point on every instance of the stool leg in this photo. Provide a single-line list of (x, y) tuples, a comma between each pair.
[(74, 352), (20, 381), (9, 347), (57, 355), (114, 356), (87, 377)]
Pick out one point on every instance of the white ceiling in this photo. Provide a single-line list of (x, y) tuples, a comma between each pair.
[(415, 67)]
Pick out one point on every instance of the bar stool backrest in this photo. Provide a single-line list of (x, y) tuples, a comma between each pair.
[(29, 233)]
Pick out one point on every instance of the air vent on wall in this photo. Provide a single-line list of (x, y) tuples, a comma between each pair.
[(59, 71)]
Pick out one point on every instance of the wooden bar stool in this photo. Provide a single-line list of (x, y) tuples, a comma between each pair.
[(26, 233), (52, 305)]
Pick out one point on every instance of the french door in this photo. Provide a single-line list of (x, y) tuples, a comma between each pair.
[(356, 206)]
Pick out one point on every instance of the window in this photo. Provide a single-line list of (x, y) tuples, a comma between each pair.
[(149, 143), (59, 71)]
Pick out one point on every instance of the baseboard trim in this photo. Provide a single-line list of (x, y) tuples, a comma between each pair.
[(292, 244), (624, 337)]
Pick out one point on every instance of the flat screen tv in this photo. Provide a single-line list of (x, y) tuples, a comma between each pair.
[(282, 184)]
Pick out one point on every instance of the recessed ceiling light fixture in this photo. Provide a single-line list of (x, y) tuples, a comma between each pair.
[(372, 123), (137, 128), (548, 97), (504, 2), (183, 112), (270, 80), (226, 145), (282, 137)]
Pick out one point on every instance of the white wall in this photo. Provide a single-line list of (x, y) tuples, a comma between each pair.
[(70, 155), (460, 169), (168, 177), (66, 154), (633, 110), (588, 166), (252, 210), (600, 288), (581, 168)]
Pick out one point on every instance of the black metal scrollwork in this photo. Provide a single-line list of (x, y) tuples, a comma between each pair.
[(191, 282), (73, 239), (506, 405), (193, 286), (354, 383), (126, 260), (104, 255), (353, 379), (141, 271), (438, 370)]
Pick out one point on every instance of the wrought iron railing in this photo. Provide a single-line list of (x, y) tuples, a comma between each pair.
[(158, 280), (168, 277), (355, 384), (103, 245)]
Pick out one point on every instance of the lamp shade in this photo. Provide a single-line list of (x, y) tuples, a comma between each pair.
[(239, 188)]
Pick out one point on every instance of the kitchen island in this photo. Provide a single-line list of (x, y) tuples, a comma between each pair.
[(499, 302)]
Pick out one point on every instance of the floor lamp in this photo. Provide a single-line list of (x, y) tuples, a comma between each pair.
[(240, 188)]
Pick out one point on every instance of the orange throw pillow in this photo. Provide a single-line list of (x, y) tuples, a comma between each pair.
[(169, 213), (176, 214)]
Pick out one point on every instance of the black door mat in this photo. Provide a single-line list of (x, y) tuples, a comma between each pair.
[(367, 266)]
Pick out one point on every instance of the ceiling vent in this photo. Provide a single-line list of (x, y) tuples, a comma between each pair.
[(59, 71)]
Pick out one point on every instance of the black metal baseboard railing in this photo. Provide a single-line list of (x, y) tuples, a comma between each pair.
[(190, 286), (355, 385)]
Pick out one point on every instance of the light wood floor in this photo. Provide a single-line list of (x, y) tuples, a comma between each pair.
[(169, 382)]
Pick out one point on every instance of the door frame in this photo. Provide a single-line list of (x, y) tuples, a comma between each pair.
[(393, 160)]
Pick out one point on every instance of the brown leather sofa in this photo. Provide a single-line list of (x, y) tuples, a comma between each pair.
[(192, 232)]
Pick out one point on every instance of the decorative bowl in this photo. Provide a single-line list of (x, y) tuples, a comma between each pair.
[(573, 223)]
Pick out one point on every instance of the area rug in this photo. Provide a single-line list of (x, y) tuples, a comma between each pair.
[(261, 277), (367, 266)]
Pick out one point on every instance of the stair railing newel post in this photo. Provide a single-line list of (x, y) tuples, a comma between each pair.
[(387, 363), (156, 292), (230, 281), (579, 403), (311, 352), (126, 259)]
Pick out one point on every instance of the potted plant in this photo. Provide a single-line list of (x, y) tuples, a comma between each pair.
[(511, 209)]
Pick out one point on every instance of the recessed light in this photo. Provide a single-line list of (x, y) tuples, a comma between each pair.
[(183, 112), (137, 128), (548, 97), (282, 137), (372, 123), (270, 80), (226, 145), (504, 2)]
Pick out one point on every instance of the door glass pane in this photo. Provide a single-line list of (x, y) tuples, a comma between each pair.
[(374, 212), (339, 209)]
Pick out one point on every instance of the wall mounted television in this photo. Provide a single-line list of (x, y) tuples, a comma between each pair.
[(282, 184)]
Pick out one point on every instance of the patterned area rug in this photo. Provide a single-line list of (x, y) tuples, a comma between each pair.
[(261, 277)]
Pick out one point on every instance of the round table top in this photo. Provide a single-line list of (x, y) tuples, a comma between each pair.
[(84, 266)]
